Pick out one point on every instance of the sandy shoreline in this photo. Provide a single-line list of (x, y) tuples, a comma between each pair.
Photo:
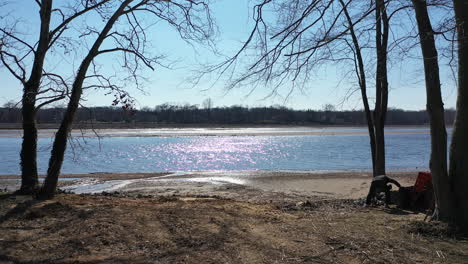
[(239, 185)]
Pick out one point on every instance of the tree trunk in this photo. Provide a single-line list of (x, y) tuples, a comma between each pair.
[(59, 146), (381, 89), (29, 181), (361, 73), (60, 143), (435, 109), (370, 128), (379, 149), (458, 170)]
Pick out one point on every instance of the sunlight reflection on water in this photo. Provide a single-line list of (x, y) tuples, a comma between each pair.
[(208, 153)]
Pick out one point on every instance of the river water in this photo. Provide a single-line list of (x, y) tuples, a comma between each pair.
[(295, 149)]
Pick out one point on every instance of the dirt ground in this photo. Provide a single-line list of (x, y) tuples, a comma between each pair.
[(87, 228)]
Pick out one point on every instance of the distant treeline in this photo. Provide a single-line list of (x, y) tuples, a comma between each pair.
[(192, 114)]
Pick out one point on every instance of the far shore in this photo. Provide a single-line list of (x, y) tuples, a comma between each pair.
[(150, 125), (234, 130)]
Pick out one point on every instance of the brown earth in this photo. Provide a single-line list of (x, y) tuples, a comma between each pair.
[(109, 229)]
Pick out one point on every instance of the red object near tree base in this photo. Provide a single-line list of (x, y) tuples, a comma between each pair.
[(423, 182)]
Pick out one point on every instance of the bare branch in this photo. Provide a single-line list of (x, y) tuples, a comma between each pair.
[(134, 52), (55, 33), (31, 48), (20, 76)]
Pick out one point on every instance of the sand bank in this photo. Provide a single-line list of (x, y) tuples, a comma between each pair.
[(243, 185)]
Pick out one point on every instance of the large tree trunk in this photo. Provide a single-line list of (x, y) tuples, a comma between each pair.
[(379, 149), (459, 148), (60, 143), (381, 89), (435, 109), (29, 181)]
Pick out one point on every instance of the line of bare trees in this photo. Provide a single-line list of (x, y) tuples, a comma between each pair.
[(110, 117)]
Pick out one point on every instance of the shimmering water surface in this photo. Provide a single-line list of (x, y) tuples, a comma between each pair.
[(348, 151)]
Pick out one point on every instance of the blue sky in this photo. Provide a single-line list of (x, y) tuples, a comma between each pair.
[(406, 80)]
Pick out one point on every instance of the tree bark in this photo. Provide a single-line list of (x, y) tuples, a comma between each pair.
[(458, 170), (435, 109), (28, 155), (381, 89), (60, 142)]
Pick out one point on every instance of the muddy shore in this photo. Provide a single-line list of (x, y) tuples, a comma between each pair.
[(244, 185)]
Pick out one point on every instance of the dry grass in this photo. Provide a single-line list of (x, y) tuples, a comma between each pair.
[(108, 229)]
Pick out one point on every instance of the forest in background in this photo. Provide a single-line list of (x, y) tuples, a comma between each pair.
[(193, 114)]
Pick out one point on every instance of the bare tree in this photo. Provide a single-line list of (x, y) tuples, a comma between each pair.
[(307, 35), (381, 84), (458, 171), (191, 19), (435, 108), (39, 86), (362, 82), (449, 186), (207, 103)]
